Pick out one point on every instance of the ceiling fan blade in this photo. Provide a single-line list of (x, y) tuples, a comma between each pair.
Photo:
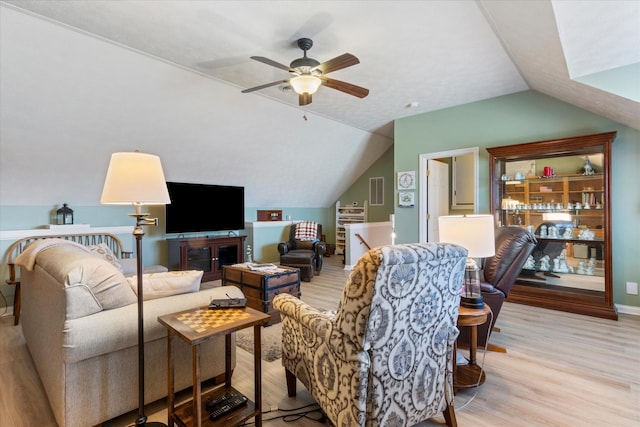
[(345, 87), (266, 85), (271, 62), (338, 63), (304, 99)]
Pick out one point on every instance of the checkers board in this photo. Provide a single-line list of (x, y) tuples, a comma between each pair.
[(202, 319), (199, 323)]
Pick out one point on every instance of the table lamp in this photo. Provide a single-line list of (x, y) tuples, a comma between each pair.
[(476, 234), (137, 179)]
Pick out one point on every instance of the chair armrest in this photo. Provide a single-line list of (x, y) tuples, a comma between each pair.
[(303, 313), (320, 247), (321, 324), (488, 288), (283, 247)]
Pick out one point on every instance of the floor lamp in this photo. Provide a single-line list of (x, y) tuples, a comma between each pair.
[(476, 233), (137, 179)]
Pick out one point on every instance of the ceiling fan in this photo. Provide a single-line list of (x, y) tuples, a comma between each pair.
[(308, 74)]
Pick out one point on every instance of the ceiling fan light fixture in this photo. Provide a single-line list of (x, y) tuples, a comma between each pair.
[(305, 84)]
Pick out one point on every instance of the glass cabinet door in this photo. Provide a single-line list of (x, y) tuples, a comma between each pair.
[(559, 191)]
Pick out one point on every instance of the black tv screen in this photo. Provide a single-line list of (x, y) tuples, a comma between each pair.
[(190, 212)]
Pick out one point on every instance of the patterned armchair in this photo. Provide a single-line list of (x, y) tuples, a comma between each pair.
[(384, 358)]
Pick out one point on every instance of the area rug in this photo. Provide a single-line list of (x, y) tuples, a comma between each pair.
[(270, 338)]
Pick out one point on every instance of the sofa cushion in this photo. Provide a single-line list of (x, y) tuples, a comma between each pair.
[(158, 285), (90, 277), (113, 330), (130, 267)]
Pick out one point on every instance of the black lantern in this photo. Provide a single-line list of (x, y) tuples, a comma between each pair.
[(64, 215)]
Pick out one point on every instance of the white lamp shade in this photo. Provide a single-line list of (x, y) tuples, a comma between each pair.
[(305, 84), (135, 178), (473, 232)]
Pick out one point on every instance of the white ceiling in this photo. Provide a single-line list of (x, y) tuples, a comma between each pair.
[(434, 54)]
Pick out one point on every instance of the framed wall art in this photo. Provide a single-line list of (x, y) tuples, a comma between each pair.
[(407, 180), (406, 199)]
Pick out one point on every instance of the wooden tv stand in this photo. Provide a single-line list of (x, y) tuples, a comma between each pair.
[(208, 254)]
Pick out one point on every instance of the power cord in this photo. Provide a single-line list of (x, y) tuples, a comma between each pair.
[(296, 415)]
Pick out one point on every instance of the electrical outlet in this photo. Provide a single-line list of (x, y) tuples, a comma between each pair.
[(632, 288)]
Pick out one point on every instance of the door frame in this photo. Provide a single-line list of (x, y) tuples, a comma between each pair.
[(422, 229)]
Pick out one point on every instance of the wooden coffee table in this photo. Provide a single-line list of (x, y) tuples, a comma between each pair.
[(261, 286)]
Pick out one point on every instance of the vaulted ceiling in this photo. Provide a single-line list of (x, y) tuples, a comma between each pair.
[(415, 57)]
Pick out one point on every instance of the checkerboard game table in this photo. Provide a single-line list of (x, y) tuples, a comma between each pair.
[(194, 327)]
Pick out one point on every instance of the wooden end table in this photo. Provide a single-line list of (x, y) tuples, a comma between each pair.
[(194, 327), (470, 375)]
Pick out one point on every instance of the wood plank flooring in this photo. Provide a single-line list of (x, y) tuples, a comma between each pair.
[(560, 369)]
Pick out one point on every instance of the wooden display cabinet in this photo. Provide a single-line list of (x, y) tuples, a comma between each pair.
[(208, 254), (569, 212)]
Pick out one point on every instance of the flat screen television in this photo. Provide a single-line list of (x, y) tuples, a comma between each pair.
[(186, 212)]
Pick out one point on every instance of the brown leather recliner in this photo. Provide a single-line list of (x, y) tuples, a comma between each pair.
[(295, 253), (513, 247)]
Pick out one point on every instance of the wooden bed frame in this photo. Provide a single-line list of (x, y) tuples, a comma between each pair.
[(87, 239)]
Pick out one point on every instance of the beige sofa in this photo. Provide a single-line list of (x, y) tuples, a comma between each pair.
[(79, 318)]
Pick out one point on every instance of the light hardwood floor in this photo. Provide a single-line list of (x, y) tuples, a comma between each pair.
[(561, 369)]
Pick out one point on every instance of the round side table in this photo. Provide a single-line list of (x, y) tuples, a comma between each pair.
[(471, 375)]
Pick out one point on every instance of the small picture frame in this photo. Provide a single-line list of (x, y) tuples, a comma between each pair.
[(406, 199), (407, 180)]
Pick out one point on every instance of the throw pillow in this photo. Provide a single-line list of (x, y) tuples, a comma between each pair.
[(103, 251), (158, 285), (306, 230)]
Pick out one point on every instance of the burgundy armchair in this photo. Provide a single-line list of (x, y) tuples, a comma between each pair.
[(513, 247)]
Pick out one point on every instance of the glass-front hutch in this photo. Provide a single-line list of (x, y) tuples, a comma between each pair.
[(560, 191)]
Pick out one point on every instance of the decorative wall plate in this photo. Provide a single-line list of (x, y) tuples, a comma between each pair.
[(407, 180)]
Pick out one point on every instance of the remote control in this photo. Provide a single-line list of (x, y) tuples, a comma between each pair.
[(228, 303), (219, 401), (233, 403)]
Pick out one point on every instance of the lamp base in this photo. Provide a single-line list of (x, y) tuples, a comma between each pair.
[(472, 302)]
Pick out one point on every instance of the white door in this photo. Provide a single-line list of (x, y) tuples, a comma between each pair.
[(437, 196)]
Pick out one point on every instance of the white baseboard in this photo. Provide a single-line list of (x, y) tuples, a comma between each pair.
[(628, 309)]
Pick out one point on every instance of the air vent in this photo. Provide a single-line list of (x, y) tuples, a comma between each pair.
[(376, 191)]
